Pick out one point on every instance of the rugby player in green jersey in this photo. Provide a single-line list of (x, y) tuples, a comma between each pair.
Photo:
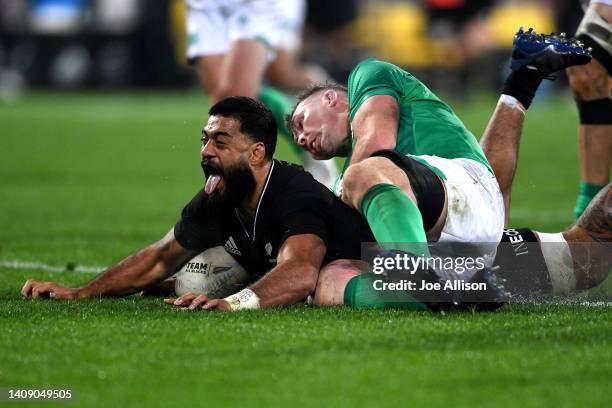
[(413, 170)]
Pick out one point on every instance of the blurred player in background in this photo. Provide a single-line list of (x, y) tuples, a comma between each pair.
[(460, 28), (591, 85), (234, 43)]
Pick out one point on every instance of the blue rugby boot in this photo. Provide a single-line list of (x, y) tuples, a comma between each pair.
[(546, 53)]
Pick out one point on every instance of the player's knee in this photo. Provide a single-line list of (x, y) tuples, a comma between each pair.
[(234, 89), (588, 82), (358, 179), (325, 292), (333, 279)]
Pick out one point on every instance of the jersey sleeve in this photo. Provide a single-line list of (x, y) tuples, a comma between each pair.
[(197, 230), (373, 77)]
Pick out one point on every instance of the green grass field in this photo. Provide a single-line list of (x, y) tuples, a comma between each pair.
[(86, 179)]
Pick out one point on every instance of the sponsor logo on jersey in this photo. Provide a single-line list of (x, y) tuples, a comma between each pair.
[(269, 249), (230, 246)]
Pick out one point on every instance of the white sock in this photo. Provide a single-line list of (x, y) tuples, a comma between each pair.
[(559, 261)]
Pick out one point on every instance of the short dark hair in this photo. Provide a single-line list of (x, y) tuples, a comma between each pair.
[(308, 92), (256, 119)]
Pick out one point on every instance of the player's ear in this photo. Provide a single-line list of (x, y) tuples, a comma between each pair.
[(257, 153), (330, 97)]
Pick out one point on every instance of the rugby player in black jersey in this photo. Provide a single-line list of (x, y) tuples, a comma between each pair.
[(273, 217), (283, 226)]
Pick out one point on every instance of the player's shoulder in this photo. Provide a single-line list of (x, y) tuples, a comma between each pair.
[(293, 177), (373, 67), (290, 182)]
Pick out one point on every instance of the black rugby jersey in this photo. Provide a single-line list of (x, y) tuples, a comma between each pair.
[(292, 202)]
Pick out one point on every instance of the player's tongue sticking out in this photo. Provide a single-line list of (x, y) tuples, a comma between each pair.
[(211, 183)]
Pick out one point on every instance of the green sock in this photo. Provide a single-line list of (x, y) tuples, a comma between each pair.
[(280, 106), (394, 219), (586, 194), (360, 292)]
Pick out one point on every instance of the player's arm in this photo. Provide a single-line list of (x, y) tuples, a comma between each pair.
[(295, 275), (375, 126), (136, 272), (292, 279)]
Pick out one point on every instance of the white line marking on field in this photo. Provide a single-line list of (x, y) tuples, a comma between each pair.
[(50, 268)]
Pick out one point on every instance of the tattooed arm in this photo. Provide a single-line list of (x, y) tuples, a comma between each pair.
[(590, 240), (136, 272)]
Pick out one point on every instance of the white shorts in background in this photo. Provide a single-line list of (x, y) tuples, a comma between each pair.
[(475, 209), (586, 3), (212, 25)]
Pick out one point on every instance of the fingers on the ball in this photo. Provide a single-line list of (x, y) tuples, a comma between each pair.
[(211, 304), (198, 301), (185, 299)]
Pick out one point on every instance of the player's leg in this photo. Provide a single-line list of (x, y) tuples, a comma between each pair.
[(591, 86), (351, 283), (590, 241), (286, 72), (209, 69), (534, 57), (333, 279), (500, 144), (382, 192), (208, 43), (243, 68), (537, 263)]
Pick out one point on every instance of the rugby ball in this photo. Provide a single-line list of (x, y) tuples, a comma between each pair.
[(214, 273)]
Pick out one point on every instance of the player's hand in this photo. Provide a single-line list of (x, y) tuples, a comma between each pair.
[(191, 301), (217, 304), (182, 301), (35, 289)]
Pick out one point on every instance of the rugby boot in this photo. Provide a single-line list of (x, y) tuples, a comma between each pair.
[(546, 53)]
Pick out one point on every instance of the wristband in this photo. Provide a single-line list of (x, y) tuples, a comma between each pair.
[(243, 300)]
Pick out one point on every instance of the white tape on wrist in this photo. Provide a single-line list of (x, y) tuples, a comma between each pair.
[(511, 102), (243, 300)]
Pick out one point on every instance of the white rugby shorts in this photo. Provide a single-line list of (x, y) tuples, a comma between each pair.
[(475, 208), (212, 25)]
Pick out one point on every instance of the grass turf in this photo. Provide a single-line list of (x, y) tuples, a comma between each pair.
[(89, 178)]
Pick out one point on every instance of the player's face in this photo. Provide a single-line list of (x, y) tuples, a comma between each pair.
[(224, 153), (320, 126)]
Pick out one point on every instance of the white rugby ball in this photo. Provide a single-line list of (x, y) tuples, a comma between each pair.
[(213, 273)]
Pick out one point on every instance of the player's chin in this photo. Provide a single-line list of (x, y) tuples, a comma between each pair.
[(318, 155)]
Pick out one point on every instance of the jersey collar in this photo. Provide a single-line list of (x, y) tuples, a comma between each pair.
[(261, 197)]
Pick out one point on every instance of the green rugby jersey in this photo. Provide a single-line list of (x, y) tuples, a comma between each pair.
[(427, 126)]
